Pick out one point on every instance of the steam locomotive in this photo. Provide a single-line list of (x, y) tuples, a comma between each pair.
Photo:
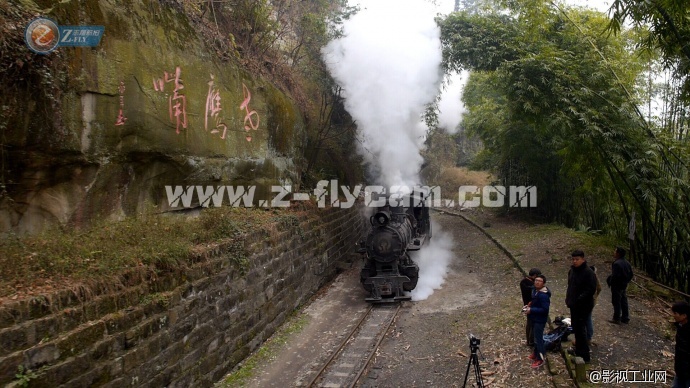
[(398, 227)]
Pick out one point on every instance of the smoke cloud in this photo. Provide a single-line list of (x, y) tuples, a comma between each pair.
[(388, 64)]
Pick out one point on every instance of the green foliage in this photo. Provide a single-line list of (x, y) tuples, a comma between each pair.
[(24, 376), (289, 222), (532, 107), (669, 27), (478, 42), (158, 298)]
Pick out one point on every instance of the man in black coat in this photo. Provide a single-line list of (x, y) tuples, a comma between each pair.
[(681, 365), (579, 298), (621, 275), (526, 287)]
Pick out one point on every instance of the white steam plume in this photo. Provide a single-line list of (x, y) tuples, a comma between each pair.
[(450, 106), (388, 64), (433, 260)]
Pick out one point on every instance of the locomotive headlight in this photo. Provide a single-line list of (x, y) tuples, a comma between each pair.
[(381, 218)]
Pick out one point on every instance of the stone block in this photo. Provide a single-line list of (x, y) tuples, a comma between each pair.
[(123, 320), (70, 318), (190, 360), (104, 350), (42, 329), (134, 359), (83, 337), (61, 373), (182, 328), (155, 303), (8, 367), (38, 307), (182, 380), (95, 377), (199, 336), (13, 339), (208, 363), (41, 355), (99, 307), (117, 383), (170, 356), (145, 329), (207, 314), (164, 378), (580, 370)]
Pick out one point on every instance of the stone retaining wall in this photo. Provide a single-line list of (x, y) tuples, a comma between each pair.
[(186, 327)]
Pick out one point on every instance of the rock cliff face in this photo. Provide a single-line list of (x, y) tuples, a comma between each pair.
[(104, 131)]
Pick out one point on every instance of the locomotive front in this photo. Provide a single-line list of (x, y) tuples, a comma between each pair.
[(388, 269)]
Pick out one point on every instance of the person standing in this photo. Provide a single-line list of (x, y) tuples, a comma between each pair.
[(681, 364), (526, 287), (538, 310), (621, 275), (579, 298)]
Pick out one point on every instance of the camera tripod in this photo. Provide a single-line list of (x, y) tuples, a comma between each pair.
[(474, 360)]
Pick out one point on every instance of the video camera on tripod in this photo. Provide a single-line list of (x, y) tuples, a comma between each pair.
[(474, 360), (474, 343)]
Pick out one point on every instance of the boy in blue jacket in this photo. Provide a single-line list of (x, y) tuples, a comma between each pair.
[(538, 311)]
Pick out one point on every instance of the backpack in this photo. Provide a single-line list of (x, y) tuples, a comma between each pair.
[(553, 339)]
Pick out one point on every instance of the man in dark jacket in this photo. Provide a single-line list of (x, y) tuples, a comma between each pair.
[(579, 298), (681, 365), (621, 275), (526, 287), (538, 311)]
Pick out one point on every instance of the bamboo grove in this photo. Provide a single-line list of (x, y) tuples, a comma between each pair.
[(561, 99)]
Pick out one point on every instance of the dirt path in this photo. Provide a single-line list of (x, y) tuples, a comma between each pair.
[(428, 344)]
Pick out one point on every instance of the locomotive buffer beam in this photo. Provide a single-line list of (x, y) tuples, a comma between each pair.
[(390, 285)]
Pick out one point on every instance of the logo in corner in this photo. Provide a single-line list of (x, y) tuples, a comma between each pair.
[(42, 35)]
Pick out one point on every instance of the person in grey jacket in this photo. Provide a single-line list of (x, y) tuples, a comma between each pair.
[(621, 275)]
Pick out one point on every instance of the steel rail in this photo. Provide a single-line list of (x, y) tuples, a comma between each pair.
[(340, 348), (376, 347)]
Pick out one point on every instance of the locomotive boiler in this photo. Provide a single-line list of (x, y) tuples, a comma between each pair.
[(396, 229)]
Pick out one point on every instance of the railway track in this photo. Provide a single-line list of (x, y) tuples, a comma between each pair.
[(347, 364)]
